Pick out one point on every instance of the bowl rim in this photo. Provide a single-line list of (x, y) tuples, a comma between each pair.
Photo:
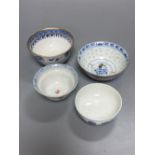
[(99, 120), (50, 66), (50, 28), (100, 76)]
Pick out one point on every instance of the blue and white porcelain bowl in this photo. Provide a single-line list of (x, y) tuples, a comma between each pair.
[(55, 81), (98, 103), (51, 45), (102, 60)]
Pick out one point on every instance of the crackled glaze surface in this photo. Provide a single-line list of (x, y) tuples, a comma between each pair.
[(98, 103), (55, 81), (103, 59)]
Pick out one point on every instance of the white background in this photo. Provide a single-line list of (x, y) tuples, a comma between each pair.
[(145, 77)]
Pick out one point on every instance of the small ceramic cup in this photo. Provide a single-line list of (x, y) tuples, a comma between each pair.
[(102, 60), (51, 45), (55, 81), (98, 103)]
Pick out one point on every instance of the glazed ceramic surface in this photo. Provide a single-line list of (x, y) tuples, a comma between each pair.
[(98, 103), (51, 45), (102, 60), (55, 81)]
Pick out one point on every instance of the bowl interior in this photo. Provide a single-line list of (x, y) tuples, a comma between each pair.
[(103, 58), (56, 81), (50, 42), (98, 102)]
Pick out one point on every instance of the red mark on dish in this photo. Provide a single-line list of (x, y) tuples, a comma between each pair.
[(57, 91)]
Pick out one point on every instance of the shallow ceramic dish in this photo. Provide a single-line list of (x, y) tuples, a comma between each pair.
[(98, 103), (55, 81), (102, 60), (51, 45)]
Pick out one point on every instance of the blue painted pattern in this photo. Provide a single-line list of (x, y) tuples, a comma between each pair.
[(101, 71), (104, 44), (49, 33)]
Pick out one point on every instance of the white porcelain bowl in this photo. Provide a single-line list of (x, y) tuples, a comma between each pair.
[(98, 103), (102, 60), (55, 81)]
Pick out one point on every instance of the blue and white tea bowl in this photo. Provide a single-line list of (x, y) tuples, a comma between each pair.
[(102, 60), (51, 45), (55, 81)]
